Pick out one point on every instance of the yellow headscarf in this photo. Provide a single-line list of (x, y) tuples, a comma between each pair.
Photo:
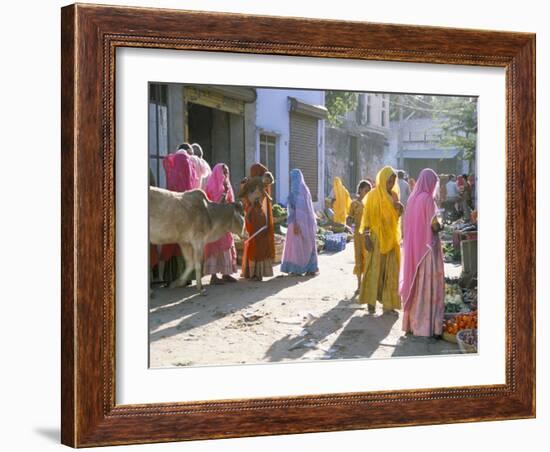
[(379, 214), (342, 202)]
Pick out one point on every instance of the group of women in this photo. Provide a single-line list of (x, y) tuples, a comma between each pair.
[(220, 257), (397, 270), (300, 247), (400, 271)]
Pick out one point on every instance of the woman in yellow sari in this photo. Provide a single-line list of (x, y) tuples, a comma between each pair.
[(342, 201), (380, 226), (356, 213)]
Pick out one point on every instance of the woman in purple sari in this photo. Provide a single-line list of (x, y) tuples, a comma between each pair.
[(300, 252), (422, 285)]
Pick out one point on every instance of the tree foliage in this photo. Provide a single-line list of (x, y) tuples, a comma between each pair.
[(459, 126), (457, 117), (338, 103)]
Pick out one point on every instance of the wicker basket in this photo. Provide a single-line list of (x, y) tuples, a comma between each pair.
[(278, 252), (464, 347), (449, 337)]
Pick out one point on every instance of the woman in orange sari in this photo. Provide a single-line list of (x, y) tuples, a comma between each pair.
[(259, 249)]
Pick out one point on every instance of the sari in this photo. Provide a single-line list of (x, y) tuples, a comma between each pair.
[(202, 170), (460, 184), (342, 201), (180, 177), (356, 212), (381, 275), (422, 284), (259, 249), (300, 250), (220, 256)]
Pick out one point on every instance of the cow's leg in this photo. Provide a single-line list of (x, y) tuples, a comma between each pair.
[(161, 270), (187, 252), (197, 257)]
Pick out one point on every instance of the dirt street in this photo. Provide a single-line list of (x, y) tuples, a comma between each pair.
[(284, 318)]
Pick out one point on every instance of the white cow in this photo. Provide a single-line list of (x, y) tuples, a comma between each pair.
[(190, 220)]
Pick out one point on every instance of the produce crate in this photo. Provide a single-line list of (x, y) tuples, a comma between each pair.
[(335, 242), (279, 246), (468, 249)]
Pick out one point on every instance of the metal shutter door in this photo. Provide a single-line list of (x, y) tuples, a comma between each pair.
[(303, 149)]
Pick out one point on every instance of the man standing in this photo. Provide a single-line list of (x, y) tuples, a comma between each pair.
[(404, 189), (452, 189), (404, 192), (453, 196)]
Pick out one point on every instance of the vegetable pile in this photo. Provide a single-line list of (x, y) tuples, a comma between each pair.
[(449, 253), (460, 322), (278, 211), (453, 298)]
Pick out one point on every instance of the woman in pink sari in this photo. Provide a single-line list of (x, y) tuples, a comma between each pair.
[(220, 256), (422, 282), (300, 252)]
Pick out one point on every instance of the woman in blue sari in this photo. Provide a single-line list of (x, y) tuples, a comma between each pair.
[(300, 252)]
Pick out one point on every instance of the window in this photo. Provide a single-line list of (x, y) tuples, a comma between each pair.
[(158, 132), (383, 118), (268, 154)]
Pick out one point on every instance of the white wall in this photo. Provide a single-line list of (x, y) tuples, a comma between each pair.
[(272, 116), (30, 224)]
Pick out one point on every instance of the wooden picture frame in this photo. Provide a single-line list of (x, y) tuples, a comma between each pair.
[(90, 36)]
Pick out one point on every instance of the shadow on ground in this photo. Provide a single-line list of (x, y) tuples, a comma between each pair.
[(410, 345), (196, 310), (360, 337)]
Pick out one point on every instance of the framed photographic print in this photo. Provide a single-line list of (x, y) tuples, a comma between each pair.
[(282, 225)]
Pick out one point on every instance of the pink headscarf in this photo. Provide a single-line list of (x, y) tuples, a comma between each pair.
[(214, 190), (418, 235), (180, 172), (215, 187)]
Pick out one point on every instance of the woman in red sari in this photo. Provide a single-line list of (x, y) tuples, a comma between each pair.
[(259, 249), (180, 177)]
